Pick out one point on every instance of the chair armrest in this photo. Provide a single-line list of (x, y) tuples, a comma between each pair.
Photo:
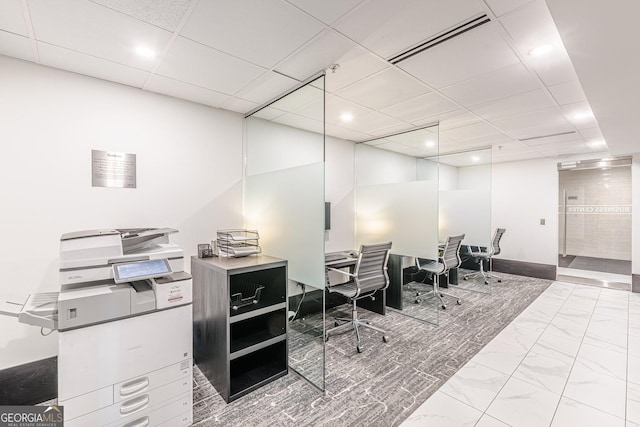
[(341, 272)]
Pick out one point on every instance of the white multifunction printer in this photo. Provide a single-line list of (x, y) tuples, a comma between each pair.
[(123, 316)]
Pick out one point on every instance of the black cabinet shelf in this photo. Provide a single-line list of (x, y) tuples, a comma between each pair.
[(240, 322)]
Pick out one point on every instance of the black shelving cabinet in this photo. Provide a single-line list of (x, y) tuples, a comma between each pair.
[(240, 321)]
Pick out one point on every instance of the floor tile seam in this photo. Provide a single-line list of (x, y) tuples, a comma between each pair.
[(514, 371), (573, 364)]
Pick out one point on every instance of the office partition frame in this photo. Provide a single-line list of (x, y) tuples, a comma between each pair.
[(284, 148)]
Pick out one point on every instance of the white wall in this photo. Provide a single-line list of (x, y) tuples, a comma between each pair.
[(522, 193), (189, 175)]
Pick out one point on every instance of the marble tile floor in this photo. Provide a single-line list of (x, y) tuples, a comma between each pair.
[(572, 358)]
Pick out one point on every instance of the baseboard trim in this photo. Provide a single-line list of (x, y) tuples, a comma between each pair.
[(635, 283), (522, 268), (30, 383)]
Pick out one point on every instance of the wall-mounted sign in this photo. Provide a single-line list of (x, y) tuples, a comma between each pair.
[(111, 169), (594, 209)]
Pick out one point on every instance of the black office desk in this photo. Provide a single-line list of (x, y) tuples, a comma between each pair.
[(378, 304)]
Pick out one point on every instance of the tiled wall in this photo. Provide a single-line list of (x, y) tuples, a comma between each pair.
[(598, 219)]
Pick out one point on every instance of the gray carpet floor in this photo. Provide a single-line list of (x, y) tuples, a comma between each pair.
[(388, 381)]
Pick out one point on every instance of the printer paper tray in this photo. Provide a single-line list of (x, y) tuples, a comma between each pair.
[(41, 310)]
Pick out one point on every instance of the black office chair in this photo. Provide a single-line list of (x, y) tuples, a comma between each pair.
[(487, 255), (450, 259), (369, 276)]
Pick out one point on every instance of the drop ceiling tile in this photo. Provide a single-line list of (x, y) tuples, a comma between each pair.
[(77, 62), (492, 86), (300, 122), (563, 137), (467, 133), (541, 130), (486, 141), (591, 133), (327, 10), (348, 134), (402, 149), (466, 56), (268, 86), (568, 93), (178, 89), (533, 26), (355, 65), (420, 107), (449, 120), (549, 116), (15, 46), (202, 66), (448, 146), (510, 147), (468, 158), (268, 113), (262, 32), (11, 17), (580, 115), (161, 13), (239, 105), (334, 108), (424, 139), (370, 122), (388, 28), (500, 7), (386, 88), (514, 157), (316, 55), (514, 105), (575, 147), (97, 31), (391, 130), (301, 97)]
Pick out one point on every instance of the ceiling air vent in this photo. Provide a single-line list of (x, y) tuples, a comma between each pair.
[(454, 32), (547, 136)]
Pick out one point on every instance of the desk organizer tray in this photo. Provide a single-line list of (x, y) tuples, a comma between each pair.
[(237, 243)]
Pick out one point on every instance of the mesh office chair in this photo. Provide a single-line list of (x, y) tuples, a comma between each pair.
[(369, 276), (483, 256), (450, 259)]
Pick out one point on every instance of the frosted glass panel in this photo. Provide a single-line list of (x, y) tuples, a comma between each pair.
[(404, 213), (287, 208), (466, 212)]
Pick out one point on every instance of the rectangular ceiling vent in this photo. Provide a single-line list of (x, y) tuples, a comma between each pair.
[(547, 136), (434, 41)]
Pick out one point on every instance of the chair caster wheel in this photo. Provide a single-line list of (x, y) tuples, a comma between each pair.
[(417, 301), (464, 278), (385, 338), (359, 349), (336, 324), (486, 282), (458, 302), (444, 307), (499, 280)]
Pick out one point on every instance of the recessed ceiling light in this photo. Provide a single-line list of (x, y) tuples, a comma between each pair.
[(428, 143), (145, 52), (541, 50), (475, 159), (582, 115), (598, 143), (346, 117)]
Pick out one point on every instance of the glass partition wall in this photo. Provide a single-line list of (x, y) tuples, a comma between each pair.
[(397, 201), (465, 208), (284, 201)]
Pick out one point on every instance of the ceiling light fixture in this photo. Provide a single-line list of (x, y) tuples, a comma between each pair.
[(475, 159), (145, 52), (429, 143), (541, 50), (599, 143), (583, 115), (346, 117)]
